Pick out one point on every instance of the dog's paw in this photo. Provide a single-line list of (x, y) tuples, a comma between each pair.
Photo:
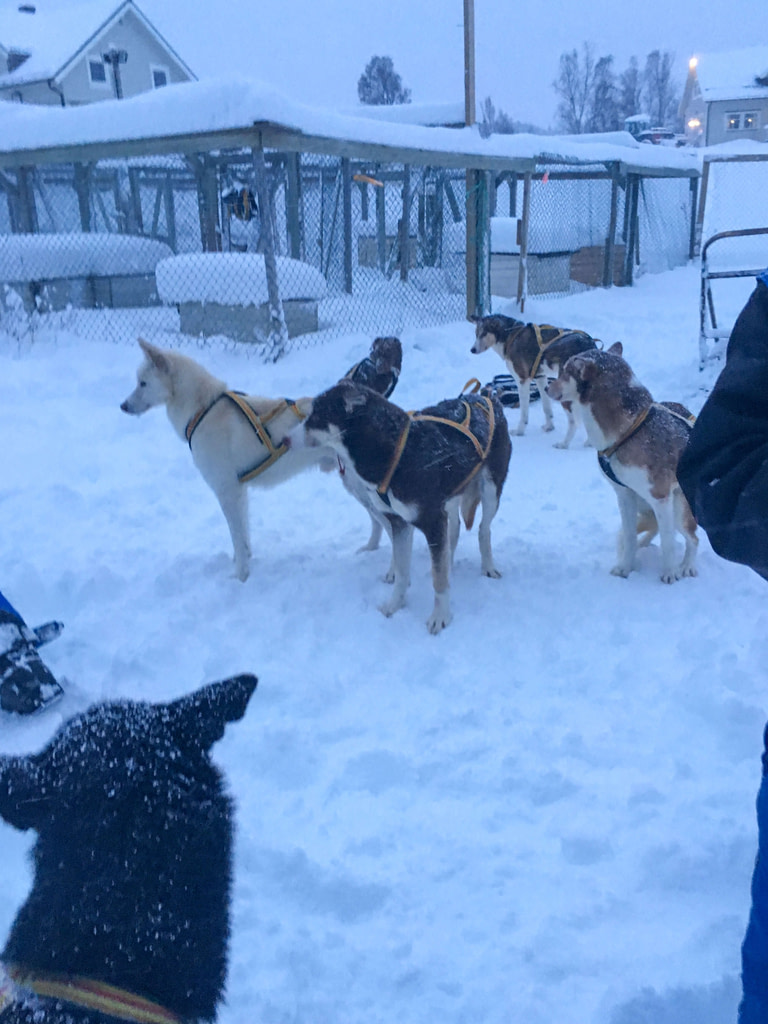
[(669, 576), (389, 576), (492, 573), (389, 608), (548, 428), (560, 444), (367, 547), (520, 432), (437, 622), (241, 573), (688, 571), (621, 570)]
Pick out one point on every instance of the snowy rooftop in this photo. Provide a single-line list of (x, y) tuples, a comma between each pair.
[(427, 114), (196, 116), (50, 36), (731, 75)]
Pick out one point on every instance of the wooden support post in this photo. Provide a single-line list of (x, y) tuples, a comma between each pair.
[(522, 275), (82, 184), (27, 210), (610, 242), (381, 229), (207, 202), (695, 238), (278, 334), (346, 185), (294, 220), (633, 192), (704, 188), (170, 212), (473, 183), (405, 225)]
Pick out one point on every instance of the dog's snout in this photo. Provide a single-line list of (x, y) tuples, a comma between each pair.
[(124, 406)]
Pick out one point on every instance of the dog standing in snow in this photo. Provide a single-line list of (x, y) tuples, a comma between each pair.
[(418, 470), (128, 917), (532, 352), (235, 439), (639, 443)]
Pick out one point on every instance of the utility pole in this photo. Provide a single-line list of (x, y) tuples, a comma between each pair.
[(469, 62)]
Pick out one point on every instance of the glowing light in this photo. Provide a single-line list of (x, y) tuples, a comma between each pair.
[(694, 123), (693, 62)]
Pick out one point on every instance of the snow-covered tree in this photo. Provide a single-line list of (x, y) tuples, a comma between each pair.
[(380, 84)]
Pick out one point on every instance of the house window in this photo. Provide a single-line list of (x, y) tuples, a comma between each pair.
[(96, 71), (159, 77), (732, 122), (749, 121)]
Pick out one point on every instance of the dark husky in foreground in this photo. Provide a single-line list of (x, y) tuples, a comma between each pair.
[(128, 916), (417, 470)]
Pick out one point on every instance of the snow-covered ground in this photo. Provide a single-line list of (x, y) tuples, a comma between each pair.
[(545, 814)]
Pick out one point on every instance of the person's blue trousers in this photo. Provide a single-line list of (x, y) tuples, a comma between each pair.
[(754, 949)]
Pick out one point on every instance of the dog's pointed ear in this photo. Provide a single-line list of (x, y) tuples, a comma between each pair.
[(199, 719), (616, 349), (155, 355), (22, 801), (583, 369)]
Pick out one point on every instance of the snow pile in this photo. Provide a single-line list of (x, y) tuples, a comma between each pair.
[(234, 279), (65, 255)]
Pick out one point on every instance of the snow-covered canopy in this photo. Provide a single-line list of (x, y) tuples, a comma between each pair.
[(429, 114), (731, 75), (199, 116), (233, 279)]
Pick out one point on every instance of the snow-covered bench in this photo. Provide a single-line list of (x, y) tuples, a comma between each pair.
[(86, 271), (226, 293)]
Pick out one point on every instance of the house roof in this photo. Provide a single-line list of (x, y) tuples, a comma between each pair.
[(53, 38), (731, 75)]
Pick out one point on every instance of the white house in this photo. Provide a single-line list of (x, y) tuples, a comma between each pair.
[(82, 54), (726, 97)]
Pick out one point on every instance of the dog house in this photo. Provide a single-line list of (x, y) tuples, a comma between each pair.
[(54, 272), (226, 294), (549, 266)]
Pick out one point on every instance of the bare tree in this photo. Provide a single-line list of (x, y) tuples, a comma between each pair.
[(630, 91), (603, 108), (493, 121), (660, 91), (574, 85), (380, 84)]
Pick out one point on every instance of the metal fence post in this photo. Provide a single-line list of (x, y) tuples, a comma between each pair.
[(278, 333), (405, 225)]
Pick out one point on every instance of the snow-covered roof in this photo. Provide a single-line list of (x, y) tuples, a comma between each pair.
[(35, 258), (199, 116), (428, 114), (731, 75), (53, 36)]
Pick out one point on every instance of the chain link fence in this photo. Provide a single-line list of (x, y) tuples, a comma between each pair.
[(185, 244)]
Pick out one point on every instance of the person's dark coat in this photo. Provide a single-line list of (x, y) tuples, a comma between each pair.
[(724, 470)]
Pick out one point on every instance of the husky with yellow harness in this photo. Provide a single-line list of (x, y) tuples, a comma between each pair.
[(418, 469), (639, 443), (532, 352), (235, 439)]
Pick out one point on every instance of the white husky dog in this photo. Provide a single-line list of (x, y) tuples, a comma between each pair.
[(235, 439)]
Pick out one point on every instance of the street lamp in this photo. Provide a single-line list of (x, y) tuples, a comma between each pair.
[(116, 57)]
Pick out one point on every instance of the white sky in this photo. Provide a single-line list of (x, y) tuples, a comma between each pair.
[(315, 50)]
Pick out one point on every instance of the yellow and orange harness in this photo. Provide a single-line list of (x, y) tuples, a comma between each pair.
[(462, 426), (259, 424), (85, 993)]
